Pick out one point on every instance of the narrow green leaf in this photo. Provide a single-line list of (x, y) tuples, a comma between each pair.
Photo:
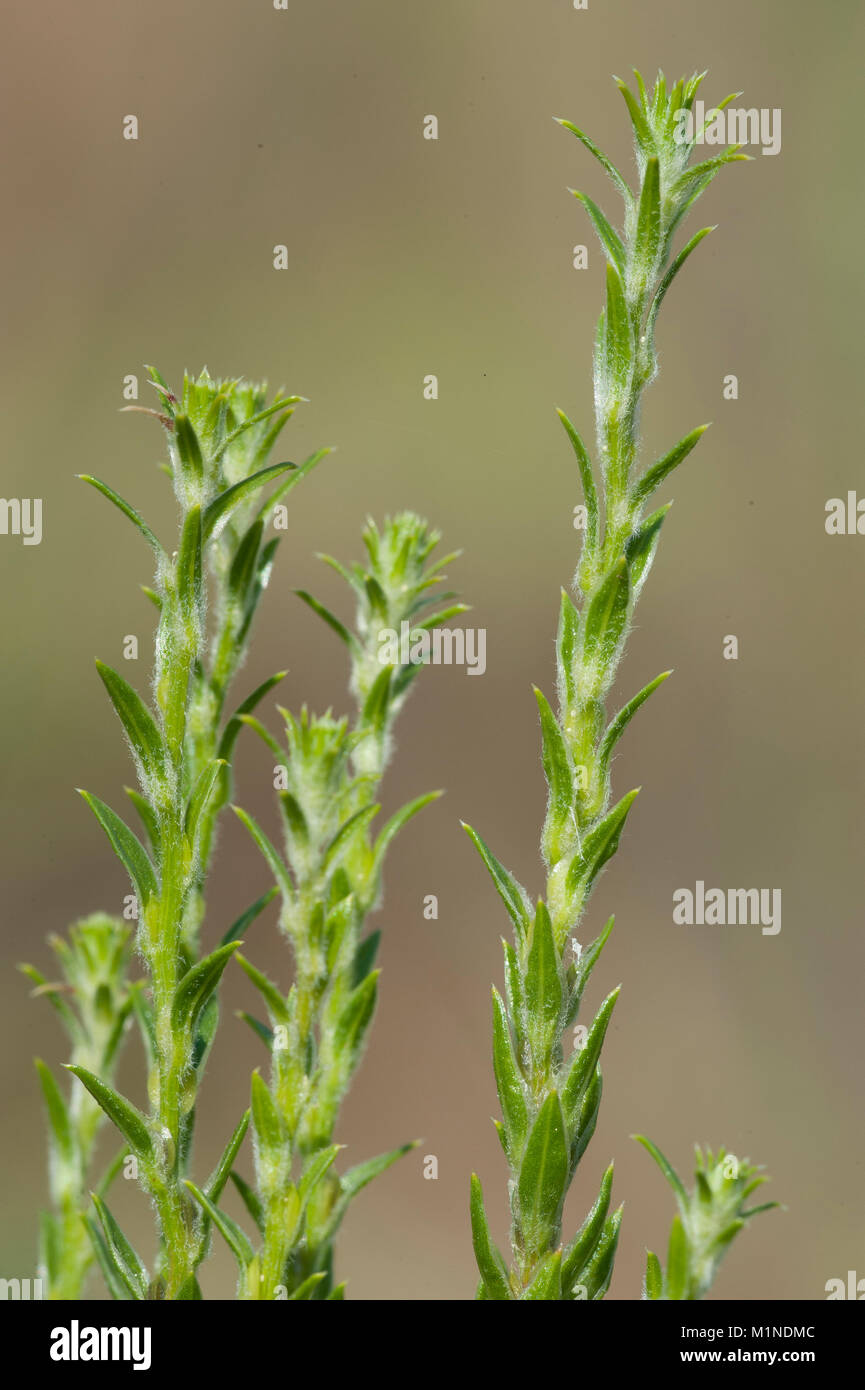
[(126, 1262), (201, 796), (234, 1237), (197, 986), (704, 1191), (137, 721), (250, 1201), (244, 566), (618, 339), (582, 968), (276, 1004), (640, 549), (489, 1259), (238, 929), (306, 1290), (189, 1291), (127, 1117), (126, 845), (357, 1177), (585, 1242), (567, 641), (600, 845), (188, 448), (442, 616), (250, 721), (543, 986), (558, 770), (49, 1255), (314, 1170), (365, 956), (190, 583), (710, 114), (621, 721), (350, 829), (584, 1063), (668, 1171), (605, 163), (355, 1018), (116, 1284), (599, 1271), (332, 621), (607, 617), (509, 1083), (234, 725), (647, 244), (642, 133), (764, 1206), (515, 997), (58, 1115), (512, 894), (114, 1169), (143, 1010), (52, 993), (260, 1029), (609, 239), (543, 1178), (205, 1032), (266, 1119), (337, 924), (375, 597), (293, 479), (502, 1136), (654, 476), (587, 479), (126, 509), (677, 1262), (286, 403), (148, 818), (584, 1127), (660, 97), (654, 1280), (547, 1283), (376, 707), (393, 826), (723, 1239), (296, 822), (218, 512), (703, 173), (669, 277), (277, 867)]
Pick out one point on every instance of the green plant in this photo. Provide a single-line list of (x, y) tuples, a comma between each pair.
[(550, 1093), (706, 1222), (328, 773), (219, 435), (93, 1002)]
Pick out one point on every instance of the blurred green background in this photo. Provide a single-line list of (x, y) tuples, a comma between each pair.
[(410, 257)]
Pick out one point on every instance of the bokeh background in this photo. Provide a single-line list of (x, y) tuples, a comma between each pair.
[(410, 257)]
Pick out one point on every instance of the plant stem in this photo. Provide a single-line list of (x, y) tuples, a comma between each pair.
[(219, 435), (330, 880), (550, 1099)]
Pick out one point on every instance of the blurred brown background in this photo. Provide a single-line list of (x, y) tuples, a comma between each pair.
[(453, 257)]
